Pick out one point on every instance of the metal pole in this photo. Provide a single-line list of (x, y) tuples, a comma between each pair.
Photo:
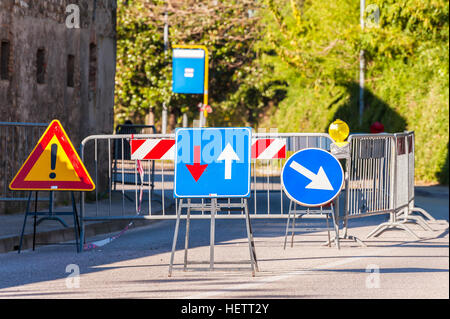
[(212, 231), (205, 90), (361, 65), (202, 119), (164, 119), (175, 237), (166, 47), (166, 32)]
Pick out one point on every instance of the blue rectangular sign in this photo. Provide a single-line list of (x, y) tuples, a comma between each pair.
[(212, 162), (188, 71)]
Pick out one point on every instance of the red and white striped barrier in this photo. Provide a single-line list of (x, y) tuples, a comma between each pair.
[(268, 148), (164, 149), (152, 149)]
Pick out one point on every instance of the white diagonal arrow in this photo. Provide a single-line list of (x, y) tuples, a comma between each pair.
[(318, 181), (228, 155)]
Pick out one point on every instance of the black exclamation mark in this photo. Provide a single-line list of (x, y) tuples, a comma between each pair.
[(52, 175)]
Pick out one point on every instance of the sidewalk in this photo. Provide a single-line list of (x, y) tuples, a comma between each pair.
[(51, 231)]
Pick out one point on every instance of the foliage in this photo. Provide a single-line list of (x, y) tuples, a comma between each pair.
[(317, 46), (227, 28), (294, 65)]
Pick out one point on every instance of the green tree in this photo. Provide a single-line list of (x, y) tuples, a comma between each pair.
[(315, 47), (229, 29)]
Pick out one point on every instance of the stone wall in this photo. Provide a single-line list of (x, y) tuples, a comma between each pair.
[(84, 107)]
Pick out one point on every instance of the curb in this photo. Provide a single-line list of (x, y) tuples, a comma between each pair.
[(59, 236)]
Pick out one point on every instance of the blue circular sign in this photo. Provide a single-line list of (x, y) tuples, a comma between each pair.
[(312, 177)]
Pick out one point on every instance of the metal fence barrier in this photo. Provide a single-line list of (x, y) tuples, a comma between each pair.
[(121, 151), (370, 168), (17, 140), (121, 193), (380, 180), (406, 151)]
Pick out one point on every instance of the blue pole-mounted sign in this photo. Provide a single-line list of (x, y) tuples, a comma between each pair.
[(188, 74), (312, 177), (212, 162)]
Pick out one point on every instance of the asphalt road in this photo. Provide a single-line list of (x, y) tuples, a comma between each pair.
[(393, 265)]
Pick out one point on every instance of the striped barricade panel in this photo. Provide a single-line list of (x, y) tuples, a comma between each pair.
[(164, 149), (268, 148), (152, 149)]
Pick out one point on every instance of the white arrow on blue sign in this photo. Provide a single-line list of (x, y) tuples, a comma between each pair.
[(312, 177), (212, 162)]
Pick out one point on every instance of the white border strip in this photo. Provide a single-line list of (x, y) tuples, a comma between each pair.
[(189, 53)]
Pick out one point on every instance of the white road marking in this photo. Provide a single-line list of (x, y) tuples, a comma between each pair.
[(271, 279)]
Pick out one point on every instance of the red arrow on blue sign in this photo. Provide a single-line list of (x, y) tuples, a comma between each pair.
[(196, 169)]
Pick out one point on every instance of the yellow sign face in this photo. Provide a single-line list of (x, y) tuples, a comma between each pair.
[(53, 165), (62, 171)]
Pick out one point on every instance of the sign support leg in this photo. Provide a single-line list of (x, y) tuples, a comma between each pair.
[(293, 228), (76, 225), (24, 222), (81, 222), (328, 230), (336, 225), (287, 225), (251, 243), (213, 226), (52, 215), (175, 237), (186, 241), (35, 218)]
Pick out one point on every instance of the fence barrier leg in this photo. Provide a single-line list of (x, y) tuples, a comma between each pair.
[(415, 219), (407, 217), (423, 212), (392, 223)]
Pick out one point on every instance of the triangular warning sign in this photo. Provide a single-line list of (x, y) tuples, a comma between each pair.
[(53, 165)]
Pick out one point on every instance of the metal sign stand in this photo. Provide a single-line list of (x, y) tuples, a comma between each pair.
[(310, 215), (50, 215), (214, 207)]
